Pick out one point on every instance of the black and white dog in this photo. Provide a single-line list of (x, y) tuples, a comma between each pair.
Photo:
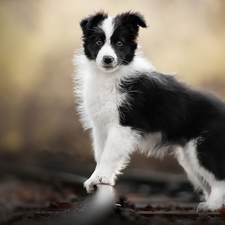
[(131, 107)]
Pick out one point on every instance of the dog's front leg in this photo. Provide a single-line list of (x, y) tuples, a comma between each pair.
[(99, 139), (120, 143)]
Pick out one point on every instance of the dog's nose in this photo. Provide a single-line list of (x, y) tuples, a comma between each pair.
[(107, 59)]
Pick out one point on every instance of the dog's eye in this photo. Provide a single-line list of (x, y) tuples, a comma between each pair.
[(99, 42), (119, 43)]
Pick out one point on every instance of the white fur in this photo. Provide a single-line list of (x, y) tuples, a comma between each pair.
[(151, 145), (108, 27), (107, 49)]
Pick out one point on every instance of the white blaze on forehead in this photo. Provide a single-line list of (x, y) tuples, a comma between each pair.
[(107, 50), (108, 27)]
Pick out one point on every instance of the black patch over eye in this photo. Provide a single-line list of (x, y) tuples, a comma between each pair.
[(119, 43), (99, 42)]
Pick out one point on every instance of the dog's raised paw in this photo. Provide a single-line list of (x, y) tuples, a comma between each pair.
[(206, 207), (94, 180)]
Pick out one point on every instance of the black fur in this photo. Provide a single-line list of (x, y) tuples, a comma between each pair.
[(90, 22), (126, 30), (130, 21), (159, 103)]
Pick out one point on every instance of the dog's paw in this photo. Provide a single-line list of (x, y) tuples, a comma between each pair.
[(91, 183), (205, 206)]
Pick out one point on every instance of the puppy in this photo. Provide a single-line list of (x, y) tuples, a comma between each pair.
[(128, 106)]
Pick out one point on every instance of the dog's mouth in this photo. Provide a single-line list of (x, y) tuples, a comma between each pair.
[(109, 68)]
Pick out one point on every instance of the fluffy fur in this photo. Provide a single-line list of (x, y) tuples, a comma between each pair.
[(131, 107)]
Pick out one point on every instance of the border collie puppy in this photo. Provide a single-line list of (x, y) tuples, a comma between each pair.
[(131, 107)]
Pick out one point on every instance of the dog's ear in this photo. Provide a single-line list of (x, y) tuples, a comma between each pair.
[(137, 19), (133, 18), (88, 23)]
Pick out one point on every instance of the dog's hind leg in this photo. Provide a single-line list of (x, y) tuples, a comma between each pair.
[(185, 161), (215, 199)]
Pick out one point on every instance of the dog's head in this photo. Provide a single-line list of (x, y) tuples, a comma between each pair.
[(111, 42)]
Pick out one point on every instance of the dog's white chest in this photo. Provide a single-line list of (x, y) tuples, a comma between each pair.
[(101, 99)]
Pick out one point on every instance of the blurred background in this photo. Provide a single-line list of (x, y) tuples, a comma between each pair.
[(38, 120)]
